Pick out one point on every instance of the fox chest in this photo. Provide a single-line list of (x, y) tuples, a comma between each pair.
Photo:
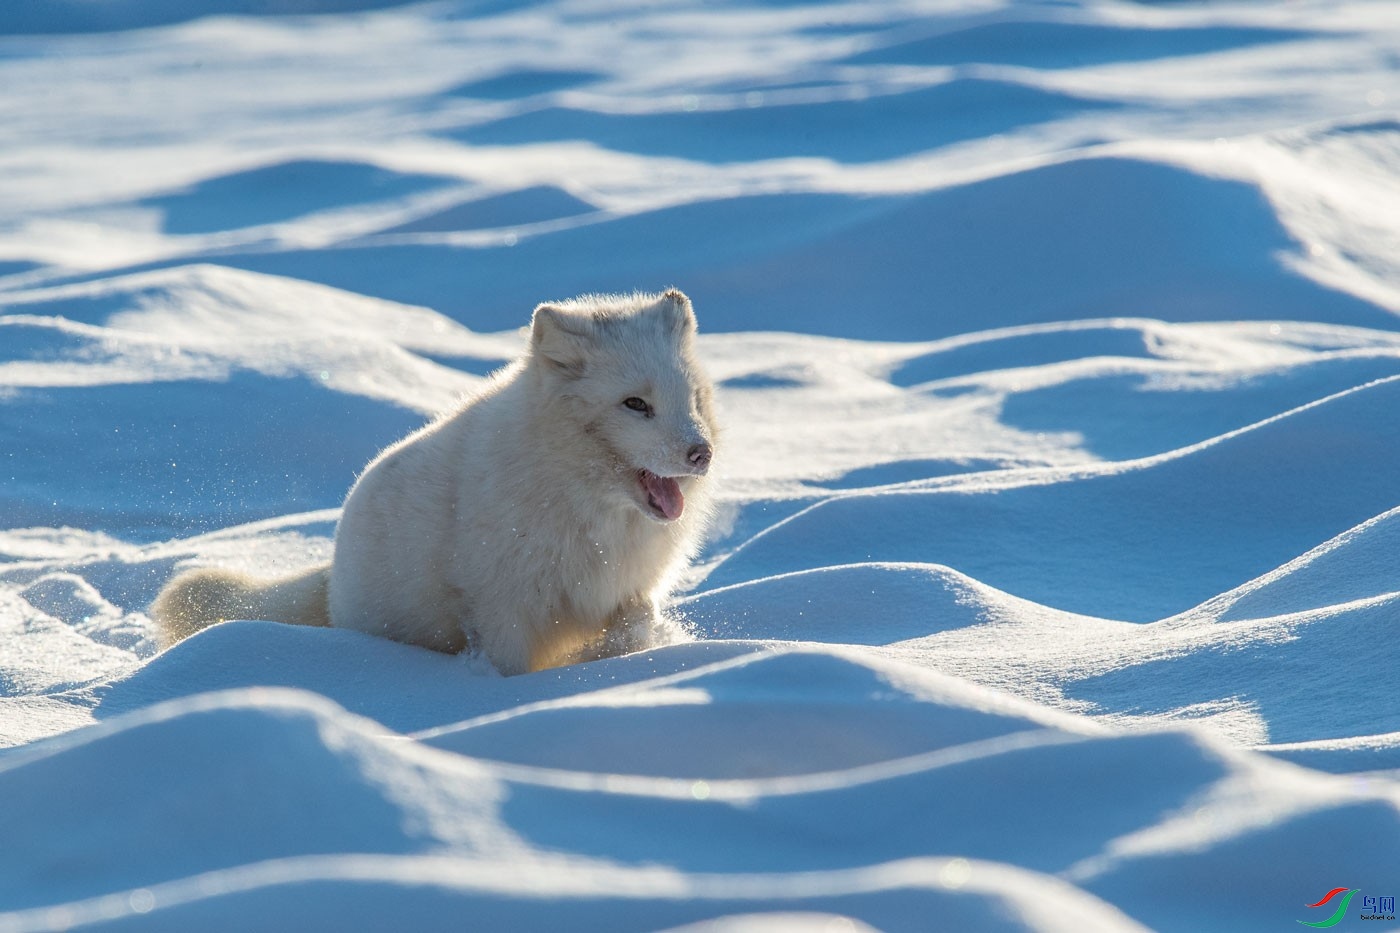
[(582, 578)]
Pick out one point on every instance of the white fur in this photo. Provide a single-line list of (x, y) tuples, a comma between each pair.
[(517, 524), (199, 597)]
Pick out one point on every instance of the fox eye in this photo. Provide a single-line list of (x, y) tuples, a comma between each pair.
[(636, 404)]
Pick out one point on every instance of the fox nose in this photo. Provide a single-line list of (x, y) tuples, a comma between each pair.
[(699, 457)]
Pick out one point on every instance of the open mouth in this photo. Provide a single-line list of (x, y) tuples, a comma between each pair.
[(663, 495)]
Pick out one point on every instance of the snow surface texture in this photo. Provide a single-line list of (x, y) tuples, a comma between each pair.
[(1059, 352)]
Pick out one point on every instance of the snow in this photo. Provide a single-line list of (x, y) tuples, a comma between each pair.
[(1058, 351)]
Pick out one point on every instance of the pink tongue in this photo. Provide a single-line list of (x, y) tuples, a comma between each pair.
[(666, 493)]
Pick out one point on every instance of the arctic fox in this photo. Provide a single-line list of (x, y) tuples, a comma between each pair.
[(540, 523)]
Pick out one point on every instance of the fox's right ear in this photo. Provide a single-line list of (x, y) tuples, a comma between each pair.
[(561, 338)]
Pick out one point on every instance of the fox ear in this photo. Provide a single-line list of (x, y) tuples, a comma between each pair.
[(561, 338), (676, 309)]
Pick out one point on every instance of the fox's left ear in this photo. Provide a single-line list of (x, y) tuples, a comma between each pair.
[(675, 306), (561, 338)]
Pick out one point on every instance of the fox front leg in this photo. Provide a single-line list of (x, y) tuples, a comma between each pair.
[(634, 626)]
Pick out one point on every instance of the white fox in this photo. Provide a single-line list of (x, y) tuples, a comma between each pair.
[(540, 523)]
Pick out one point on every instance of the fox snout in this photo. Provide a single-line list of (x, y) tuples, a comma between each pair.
[(699, 457)]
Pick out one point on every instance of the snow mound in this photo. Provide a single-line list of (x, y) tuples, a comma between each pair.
[(1092, 236), (1136, 541), (253, 807)]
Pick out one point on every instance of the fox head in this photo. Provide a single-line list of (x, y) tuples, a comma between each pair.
[(623, 371)]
